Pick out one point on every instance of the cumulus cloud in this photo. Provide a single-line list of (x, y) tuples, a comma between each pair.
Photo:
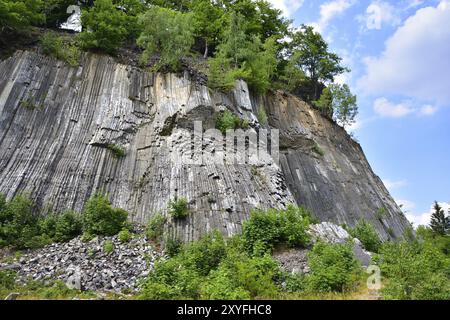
[(380, 13), (424, 218), (406, 205), (330, 10), (415, 61), (385, 108), (288, 7)]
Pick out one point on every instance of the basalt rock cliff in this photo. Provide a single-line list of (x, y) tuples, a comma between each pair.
[(57, 124)]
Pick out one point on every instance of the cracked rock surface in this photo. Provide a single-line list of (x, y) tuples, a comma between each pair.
[(56, 123)]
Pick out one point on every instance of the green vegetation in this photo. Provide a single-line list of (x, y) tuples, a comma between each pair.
[(61, 48), (179, 208), (172, 246), (21, 225), (417, 271), (242, 267), (34, 290), (227, 120), (336, 101), (118, 151), (155, 227), (124, 236), (108, 246), (99, 218), (105, 27), (266, 229), (167, 32), (333, 268), (20, 14), (366, 233), (262, 116), (318, 150), (440, 223)]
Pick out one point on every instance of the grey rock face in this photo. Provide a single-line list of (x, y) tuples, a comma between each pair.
[(56, 123)]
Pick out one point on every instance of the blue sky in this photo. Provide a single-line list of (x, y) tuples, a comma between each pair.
[(399, 53)]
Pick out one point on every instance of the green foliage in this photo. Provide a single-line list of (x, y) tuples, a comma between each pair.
[(262, 116), (333, 268), (124, 236), (104, 27), (118, 151), (366, 233), (18, 224), (227, 120), (314, 58), (442, 242), (20, 14), (237, 57), (61, 48), (211, 268), (7, 279), (266, 229), (440, 223), (155, 227), (415, 271), (99, 218), (108, 246), (172, 246), (167, 32), (293, 282), (61, 227), (336, 101), (179, 208)]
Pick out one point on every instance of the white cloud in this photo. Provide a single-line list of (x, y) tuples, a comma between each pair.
[(424, 218), (288, 7), (415, 60), (406, 205), (330, 10), (391, 184), (379, 13), (385, 108), (428, 110)]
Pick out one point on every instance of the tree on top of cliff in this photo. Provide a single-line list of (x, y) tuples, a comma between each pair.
[(167, 32), (439, 223), (314, 58), (104, 27)]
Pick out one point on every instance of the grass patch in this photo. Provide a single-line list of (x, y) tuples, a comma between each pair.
[(61, 48), (117, 150)]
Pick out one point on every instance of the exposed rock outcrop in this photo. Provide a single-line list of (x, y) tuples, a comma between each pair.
[(56, 123)]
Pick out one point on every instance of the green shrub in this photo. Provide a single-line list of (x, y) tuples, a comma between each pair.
[(61, 48), (155, 227), (293, 282), (262, 116), (228, 121), (171, 279), (266, 229), (366, 233), (7, 279), (415, 271), (179, 208), (124, 236), (118, 151), (333, 268), (19, 226), (173, 246), (317, 149), (108, 246), (61, 227), (99, 218)]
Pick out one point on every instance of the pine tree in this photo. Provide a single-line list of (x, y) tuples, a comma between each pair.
[(440, 223)]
